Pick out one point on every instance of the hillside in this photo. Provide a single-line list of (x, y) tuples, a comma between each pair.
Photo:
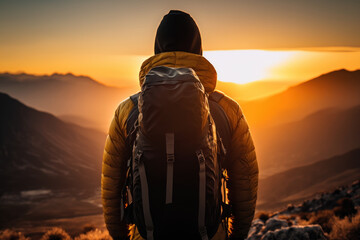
[(303, 182), (67, 94), (252, 90), (320, 135), (335, 89), (39, 151)]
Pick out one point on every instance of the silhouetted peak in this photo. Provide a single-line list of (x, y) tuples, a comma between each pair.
[(4, 96), (8, 102), (338, 74), (68, 78), (337, 77), (14, 109), (56, 74), (5, 100)]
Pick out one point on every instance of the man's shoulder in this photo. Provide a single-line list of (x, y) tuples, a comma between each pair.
[(123, 110), (230, 106)]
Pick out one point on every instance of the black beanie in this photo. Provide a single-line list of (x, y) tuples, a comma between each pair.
[(178, 32)]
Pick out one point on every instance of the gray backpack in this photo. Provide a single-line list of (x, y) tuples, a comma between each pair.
[(175, 175)]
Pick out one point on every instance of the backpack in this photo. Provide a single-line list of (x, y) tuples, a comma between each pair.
[(175, 180)]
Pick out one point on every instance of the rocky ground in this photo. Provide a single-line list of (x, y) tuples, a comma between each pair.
[(330, 215)]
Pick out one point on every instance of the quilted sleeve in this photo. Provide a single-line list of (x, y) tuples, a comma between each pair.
[(242, 168), (114, 171)]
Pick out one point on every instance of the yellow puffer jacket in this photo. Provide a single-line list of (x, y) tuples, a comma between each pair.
[(241, 163)]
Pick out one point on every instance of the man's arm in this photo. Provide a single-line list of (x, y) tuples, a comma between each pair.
[(114, 172), (242, 169)]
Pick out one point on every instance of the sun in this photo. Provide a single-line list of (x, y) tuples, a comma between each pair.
[(244, 66)]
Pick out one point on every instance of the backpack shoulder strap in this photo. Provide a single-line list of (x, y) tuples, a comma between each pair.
[(220, 118), (133, 115), (223, 128), (130, 129), (216, 96)]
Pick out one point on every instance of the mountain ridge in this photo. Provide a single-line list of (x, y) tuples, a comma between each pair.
[(23, 77), (334, 89), (320, 135), (67, 95), (40, 151), (277, 190), (335, 75)]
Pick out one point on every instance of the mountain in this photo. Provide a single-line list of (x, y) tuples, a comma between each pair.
[(75, 119), (335, 89), (302, 182), (83, 98), (320, 135), (252, 90), (66, 94), (39, 151)]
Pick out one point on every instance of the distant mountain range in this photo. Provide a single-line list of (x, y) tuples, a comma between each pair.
[(318, 136), (335, 89), (39, 151), (67, 95), (299, 183), (89, 103), (92, 104)]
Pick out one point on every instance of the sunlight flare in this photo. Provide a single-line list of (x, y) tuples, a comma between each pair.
[(244, 66)]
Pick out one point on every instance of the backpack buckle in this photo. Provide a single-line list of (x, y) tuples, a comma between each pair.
[(138, 155), (170, 157), (200, 156)]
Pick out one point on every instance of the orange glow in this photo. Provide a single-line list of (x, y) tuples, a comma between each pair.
[(237, 66), (244, 66), (305, 64)]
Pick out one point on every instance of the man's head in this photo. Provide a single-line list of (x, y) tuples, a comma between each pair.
[(178, 32)]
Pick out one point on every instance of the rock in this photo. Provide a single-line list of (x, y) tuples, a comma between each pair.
[(305, 206), (256, 226), (346, 208), (264, 217), (255, 237), (310, 232), (274, 223), (290, 207)]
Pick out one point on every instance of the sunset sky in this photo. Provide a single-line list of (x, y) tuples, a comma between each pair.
[(282, 40)]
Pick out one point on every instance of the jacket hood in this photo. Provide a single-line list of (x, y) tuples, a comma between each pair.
[(178, 32), (203, 68)]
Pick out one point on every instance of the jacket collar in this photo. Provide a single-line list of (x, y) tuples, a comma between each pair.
[(203, 68)]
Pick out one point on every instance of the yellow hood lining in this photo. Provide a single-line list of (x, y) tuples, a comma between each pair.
[(203, 68)]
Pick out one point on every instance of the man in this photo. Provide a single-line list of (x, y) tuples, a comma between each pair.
[(178, 44)]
